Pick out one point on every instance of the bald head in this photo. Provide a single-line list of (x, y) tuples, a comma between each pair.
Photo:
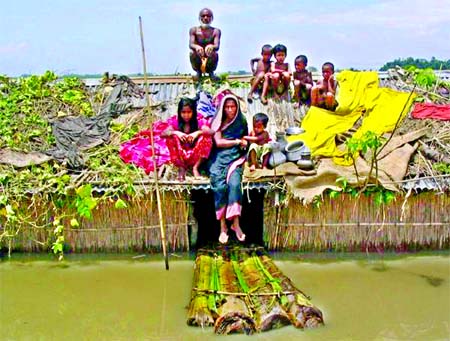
[(206, 16)]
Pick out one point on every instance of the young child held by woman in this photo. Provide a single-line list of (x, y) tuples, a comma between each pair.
[(259, 151)]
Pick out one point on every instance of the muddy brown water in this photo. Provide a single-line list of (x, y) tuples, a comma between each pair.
[(120, 298)]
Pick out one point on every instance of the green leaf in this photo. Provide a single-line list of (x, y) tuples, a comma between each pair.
[(58, 229), (90, 203), (334, 194), (379, 198), (74, 223), (84, 191), (3, 199), (120, 204), (389, 197)]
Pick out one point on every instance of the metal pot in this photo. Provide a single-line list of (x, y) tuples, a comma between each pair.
[(294, 130), (276, 158), (305, 164), (293, 150), (305, 154)]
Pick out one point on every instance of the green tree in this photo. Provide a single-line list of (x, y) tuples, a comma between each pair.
[(420, 63)]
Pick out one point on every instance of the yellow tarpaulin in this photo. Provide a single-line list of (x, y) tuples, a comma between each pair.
[(359, 95)]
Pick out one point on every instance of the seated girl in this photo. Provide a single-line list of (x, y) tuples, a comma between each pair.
[(195, 143), (188, 138)]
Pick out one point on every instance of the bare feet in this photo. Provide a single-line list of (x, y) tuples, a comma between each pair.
[(213, 77), (264, 100), (181, 174), (196, 172), (252, 168), (239, 234), (223, 238), (197, 77)]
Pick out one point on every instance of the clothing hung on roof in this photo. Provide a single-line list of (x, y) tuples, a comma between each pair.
[(431, 110)]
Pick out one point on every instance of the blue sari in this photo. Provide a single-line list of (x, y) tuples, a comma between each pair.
[(226, 165)]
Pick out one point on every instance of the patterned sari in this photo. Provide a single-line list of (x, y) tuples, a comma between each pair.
[(226, 164)]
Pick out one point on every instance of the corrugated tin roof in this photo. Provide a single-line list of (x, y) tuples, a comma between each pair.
[(440, 184), (167, 90)]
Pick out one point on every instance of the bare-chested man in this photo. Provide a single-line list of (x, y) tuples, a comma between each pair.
[(204, 42)]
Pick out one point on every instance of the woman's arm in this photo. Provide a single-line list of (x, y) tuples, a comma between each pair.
[(252, 139), (225, 143)]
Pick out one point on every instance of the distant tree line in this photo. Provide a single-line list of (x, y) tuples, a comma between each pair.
[(420, 63)]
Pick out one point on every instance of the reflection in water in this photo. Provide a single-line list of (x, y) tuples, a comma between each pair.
[(432, 280), (401, 298)]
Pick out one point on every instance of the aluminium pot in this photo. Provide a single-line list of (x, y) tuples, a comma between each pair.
[(294, 131), (294, 150)]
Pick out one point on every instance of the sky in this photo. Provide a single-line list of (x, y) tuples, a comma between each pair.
[(97, 36)]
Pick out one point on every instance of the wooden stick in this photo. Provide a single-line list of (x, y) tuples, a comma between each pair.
[(155, 173)]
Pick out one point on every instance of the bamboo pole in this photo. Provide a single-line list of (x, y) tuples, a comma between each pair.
[(155, 173)]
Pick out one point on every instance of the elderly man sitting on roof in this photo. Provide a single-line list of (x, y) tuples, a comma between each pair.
[(204, 42)]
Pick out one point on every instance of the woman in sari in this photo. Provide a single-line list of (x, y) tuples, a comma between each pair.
[(227, 160)]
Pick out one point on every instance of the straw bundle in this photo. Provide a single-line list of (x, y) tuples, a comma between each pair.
[(234, 316), (302, 312), (199, 313), (245, 292), (269, 313)]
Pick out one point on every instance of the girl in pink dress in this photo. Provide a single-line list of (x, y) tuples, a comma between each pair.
[(184, 139), (188, 138)]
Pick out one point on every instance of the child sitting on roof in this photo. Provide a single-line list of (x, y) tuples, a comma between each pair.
[(303, 82), (258, 138), (280, 74), (324, 92), (261, 71), (188, 138)]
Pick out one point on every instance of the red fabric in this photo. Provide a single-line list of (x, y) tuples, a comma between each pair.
[(430, 110), (138, 150), (186, 155)]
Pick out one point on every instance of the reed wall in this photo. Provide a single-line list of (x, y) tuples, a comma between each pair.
[(421, 221)]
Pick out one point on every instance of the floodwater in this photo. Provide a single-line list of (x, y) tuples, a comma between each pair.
[(395, 297)]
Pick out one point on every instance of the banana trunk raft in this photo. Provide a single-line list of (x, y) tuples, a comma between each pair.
[(241, 290)]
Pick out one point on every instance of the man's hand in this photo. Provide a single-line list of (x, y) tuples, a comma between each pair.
[(199, 51), (209, 49)]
